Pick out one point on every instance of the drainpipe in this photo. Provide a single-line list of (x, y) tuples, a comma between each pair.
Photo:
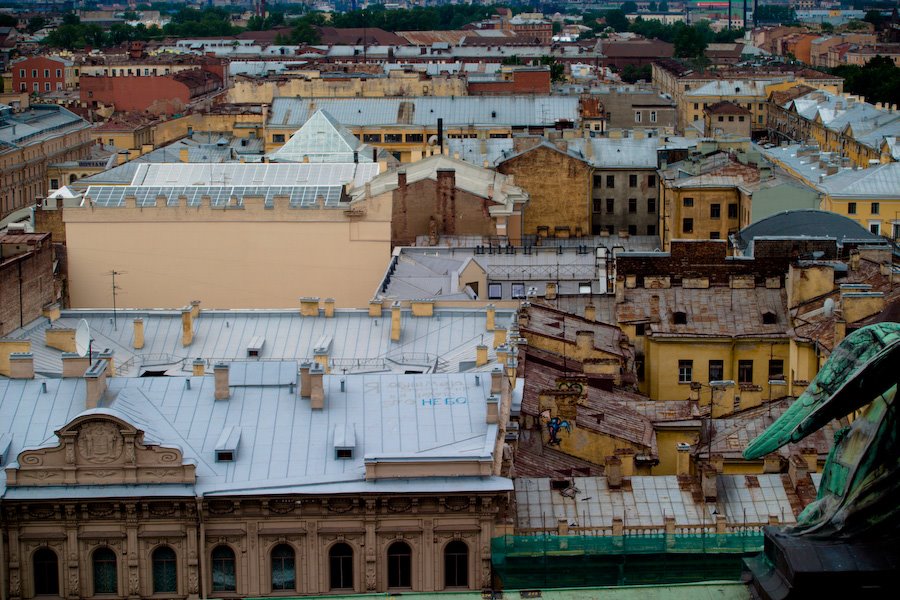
[(201, 549)]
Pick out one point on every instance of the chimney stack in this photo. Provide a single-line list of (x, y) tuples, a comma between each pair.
[(21, 365), (220, 371), (590, 312), (95, 384), (195, 309), (305, 385), (316, 387), (708, 477), (329, 308), (490, 317), (309, 307), (198, 367), (496, 380), (683, 459), (395, 321), (481, 355), (493, 409), (74, 365), (614, 472), (187, 326), (138, 334)]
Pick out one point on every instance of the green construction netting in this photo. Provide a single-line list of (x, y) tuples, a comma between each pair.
[(577, 561)]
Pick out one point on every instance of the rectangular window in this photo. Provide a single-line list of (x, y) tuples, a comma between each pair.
[(36, 86), (518, 290), (745, 371), (875, 208), (46, 72), (721, 119), (58, 86), (632, 230), (632, 181), (584, 287), (651, 205), (875, 228), (687, 225), (277, 138), (59, 72), (610, 205), (632, 205), (696, 117), (685, 371), (598, 181), (741, 118), (598, 205), (637, 116), (651, 229), (732, 211), (414, 137), (47, 86), (34, 73), (371, 137), (651, 180), (716, 370), (696, 106), (54, 184), (715, 211), (731, 118), (393, 138), (776, 370), (851, 208), (495, 291), (610, 181), (714, 235), (688, 202), (21, 72), (653, 116)]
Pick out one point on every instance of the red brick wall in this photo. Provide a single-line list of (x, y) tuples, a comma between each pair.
[(522, 82), (159, 95), (38, 70), (455, 212)]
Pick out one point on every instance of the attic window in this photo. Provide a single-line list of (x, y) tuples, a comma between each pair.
[(227, 445), (343, 453), (560, 484), (344, 442), (769, 318), (224, 456), (679, 318)]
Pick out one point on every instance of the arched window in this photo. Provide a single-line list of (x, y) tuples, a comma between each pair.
[(456, 564), (46, 572), (223, 571), (106, 579), (284, 568), (165, 571), (399, 565), (340, 566)]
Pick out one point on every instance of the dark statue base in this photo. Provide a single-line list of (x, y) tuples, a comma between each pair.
[(793, 567)]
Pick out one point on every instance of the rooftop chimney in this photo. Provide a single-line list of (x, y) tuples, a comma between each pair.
[(395, 321), (220, 371), (198, 367), (187, 326), (74, 365), (95, 384), (21, 365), (490, 317), (305, 385), (316, 387), (138, 334)]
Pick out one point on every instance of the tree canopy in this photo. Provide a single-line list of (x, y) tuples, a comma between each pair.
[(877, 81)]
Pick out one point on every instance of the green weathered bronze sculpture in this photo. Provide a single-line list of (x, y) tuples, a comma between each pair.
[(847, 539)]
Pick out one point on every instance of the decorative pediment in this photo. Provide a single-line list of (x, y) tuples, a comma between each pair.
[(100, 449)]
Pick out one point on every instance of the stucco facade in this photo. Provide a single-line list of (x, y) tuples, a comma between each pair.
[(250, 258)]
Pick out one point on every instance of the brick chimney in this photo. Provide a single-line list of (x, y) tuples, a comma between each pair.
[(481, 355), (316, 387), (683, 459), (223, 391), (305, 384), (95, 384), (490, 312), (198, 367), (138, 334), (74, 365), (187, 327), (708, 477), (395, 321), (614, 472), (446, 200), (21, 365), (493, 409), (590, 312)]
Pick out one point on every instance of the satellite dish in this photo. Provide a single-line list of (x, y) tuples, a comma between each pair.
[(828, 308), (82, 338)]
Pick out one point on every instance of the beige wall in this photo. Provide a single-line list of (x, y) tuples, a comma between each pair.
[(251, 258), (262, 92)]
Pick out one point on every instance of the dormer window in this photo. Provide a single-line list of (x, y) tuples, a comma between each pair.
[(679, 318), (769, 318), (227, 446), (343, 453), (344, 442)]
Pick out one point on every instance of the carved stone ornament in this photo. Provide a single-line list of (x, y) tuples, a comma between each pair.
[(100, 442), (103, 449)]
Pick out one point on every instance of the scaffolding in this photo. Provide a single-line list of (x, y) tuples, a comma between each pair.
[(549, 561)]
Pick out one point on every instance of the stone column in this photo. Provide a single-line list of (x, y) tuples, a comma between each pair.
[(131, 546)]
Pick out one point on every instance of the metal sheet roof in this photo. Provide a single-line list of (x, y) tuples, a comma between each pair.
[(360, 343), (285, 444), (425, 111)]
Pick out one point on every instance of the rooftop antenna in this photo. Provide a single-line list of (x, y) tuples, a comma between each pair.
[(115, 289)]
